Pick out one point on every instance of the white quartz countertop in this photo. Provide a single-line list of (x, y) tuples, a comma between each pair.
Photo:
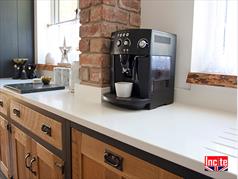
[(179, 133)]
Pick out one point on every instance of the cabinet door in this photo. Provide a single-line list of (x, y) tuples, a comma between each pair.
[(4, 148), (85, 168), (45, 165), (21, 150)]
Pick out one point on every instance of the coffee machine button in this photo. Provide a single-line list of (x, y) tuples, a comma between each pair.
[(142, 43), (119, 43), (126, 42), (123, 34), (127, 34)]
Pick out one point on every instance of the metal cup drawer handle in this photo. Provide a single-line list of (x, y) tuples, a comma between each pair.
[(1, 103), (46, 129), (113, 159), (34, 159), (16, 112), (26, 160)]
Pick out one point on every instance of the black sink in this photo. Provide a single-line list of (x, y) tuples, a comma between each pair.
[(33, 87)]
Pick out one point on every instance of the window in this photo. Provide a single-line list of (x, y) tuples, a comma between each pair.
[(64, 10), (214, 48), (56, 20)]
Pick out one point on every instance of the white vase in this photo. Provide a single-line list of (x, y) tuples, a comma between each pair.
[(49, 59)]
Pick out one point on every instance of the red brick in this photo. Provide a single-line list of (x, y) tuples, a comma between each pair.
[(135, 19), (110, 2), (84, 45), (109, 13), (84, 16), (96, 75), (84, 3), (122, 16), (115, 14), (122, 27), (96, 13), (102, 29), (107, 2), (95, 2), (90, 30), (107, 29), (84, 73), (100, 45), (100, 75), (95, 60), (132, 5)]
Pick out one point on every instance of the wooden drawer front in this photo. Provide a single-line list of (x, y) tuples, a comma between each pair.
[(3, 103), (46, 128), (132, 167)]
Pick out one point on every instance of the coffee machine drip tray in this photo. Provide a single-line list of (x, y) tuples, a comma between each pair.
[(131, 103)]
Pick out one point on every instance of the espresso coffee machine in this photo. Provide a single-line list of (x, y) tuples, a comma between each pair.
[(146, 58)]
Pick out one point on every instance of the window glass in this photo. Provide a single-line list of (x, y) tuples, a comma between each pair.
[(215, 37), (67, 9)]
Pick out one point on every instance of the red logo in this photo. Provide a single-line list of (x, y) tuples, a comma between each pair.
[(216, 163)]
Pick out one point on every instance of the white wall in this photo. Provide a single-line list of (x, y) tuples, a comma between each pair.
[(176, 16)]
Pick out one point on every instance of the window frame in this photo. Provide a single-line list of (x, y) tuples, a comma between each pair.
[(211, 79), (229, 81), (55, 13)]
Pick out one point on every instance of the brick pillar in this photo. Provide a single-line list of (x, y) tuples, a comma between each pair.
[(99, 18)]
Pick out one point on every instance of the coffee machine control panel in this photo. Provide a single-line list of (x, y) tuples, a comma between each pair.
[(131, 41)]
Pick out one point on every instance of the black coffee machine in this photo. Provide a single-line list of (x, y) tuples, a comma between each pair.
[(146, 58)]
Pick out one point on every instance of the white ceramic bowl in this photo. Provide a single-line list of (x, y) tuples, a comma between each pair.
[(123, 89)]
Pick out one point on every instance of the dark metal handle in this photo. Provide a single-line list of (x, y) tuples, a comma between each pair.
[(46, 129), (26, 162), (31, 163), (1, 103), (113, 159), (16, 112)]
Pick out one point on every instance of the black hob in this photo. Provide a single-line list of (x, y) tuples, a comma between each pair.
[(33, 87)]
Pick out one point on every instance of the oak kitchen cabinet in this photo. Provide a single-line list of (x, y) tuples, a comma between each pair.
[(30, 142), (93, 159), (32, 160)]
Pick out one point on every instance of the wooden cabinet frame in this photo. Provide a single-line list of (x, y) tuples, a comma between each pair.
[(5, 166)]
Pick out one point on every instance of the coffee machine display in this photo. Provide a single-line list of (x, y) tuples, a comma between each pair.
[(145, 58)]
